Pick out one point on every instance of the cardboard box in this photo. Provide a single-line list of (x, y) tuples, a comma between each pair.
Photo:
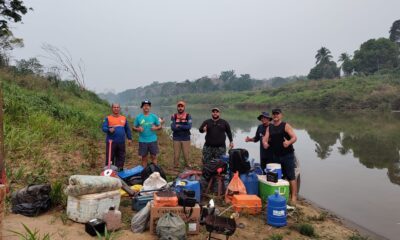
[(192, 223)]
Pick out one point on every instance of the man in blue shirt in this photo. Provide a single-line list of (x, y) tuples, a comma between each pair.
[(181, 123), (146, 124), (117, 128)]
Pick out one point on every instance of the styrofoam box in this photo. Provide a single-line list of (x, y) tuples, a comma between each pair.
[(86, 207)]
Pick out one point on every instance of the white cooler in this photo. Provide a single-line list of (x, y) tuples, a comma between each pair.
[(86, 207)]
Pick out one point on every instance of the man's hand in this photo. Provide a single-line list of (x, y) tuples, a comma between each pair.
[(230, 145), (129, 142), (247, 139), (286, 143), (205, 128), (154, 127), (265, 144), (139, 129), (111, 130)]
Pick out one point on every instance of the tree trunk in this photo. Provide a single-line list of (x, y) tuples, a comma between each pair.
[(2, 158)]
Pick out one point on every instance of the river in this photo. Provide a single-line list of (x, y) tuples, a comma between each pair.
[(350, 161)]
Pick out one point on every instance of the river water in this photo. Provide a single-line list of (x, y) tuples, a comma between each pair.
[(350, 161)]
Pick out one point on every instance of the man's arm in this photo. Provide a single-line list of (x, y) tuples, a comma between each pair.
[(187, 126), (265, 138), (229, 134), (290, 132), (203, 127), (128, 130), (105, 125)]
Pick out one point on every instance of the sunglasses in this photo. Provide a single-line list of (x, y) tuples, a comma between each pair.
[(215, 111), (276, 113)]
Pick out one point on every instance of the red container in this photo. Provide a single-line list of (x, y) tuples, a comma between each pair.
[(165, 199), (247, 203)]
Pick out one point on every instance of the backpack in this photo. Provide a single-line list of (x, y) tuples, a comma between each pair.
[(210, 168), (150, 169), (238, 160)]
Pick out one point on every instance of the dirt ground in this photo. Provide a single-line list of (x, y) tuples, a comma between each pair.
[(325, 225)]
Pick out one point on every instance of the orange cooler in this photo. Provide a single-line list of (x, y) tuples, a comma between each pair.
[(165, 199), (247, 203)]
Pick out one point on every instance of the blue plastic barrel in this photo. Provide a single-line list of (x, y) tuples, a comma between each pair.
[(189, 185), (250, 181), (276, 210)]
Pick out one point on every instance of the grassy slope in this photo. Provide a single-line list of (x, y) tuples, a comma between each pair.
[(380, 91), (53, 130)]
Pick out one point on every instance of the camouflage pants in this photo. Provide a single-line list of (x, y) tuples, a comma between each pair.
[(212, 152)]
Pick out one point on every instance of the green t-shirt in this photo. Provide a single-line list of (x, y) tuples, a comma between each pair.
[(147, 122)]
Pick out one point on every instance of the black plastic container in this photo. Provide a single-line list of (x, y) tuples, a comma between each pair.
[(95, 225)]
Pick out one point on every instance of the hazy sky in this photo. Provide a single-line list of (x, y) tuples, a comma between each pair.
[(126, 44)]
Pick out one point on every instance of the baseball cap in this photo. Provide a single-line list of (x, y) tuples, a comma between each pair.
[(276, 110), (215, 109), (146, 101)]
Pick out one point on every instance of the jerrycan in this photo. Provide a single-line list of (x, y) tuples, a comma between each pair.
[(112, 217), (250, 181), (276, 210)]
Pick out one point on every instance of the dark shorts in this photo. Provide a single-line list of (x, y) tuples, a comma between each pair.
[(145, 148), (288, 165)]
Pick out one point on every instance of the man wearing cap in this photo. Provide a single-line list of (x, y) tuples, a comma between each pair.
[(280, 137), (265, 154), (216, 131), (181, 123), (117, 128), (146, 124)]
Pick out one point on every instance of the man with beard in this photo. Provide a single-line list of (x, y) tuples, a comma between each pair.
[(181, 123), (216, 131), (265, 154)]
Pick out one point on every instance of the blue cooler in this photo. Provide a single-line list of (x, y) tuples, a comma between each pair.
[(250, 181), (189, 185)]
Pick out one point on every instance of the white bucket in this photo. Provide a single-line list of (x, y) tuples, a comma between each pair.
[(276, 168)]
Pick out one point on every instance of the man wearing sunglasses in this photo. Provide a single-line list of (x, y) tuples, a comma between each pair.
[(280, 137), (216, 130)]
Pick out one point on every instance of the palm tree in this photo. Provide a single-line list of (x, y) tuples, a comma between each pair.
[(395, 32), (347, 66), (323, 55)]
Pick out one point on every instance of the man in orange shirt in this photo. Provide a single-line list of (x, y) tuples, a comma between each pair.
[(117, 128)]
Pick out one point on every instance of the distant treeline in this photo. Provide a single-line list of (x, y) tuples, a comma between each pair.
[(367, 80), (226, 81)]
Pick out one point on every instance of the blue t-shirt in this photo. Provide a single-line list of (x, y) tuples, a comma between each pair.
[(147, 122)]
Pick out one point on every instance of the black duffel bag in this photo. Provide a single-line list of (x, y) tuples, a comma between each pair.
[(210, 168), (32, 200), (239, 160)]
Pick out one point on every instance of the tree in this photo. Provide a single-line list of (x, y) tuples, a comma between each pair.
[(395, 32), (10, 10), (63, 60), (30, 66), (325, 68), (323, 55), (347, 65), (376, 54)]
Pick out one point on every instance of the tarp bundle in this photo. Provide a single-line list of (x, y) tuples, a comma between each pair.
[(32, 200), (85, 184)]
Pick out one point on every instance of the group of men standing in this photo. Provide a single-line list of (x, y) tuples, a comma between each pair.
[(276, 138)]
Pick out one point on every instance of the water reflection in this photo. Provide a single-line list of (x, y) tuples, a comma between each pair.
[(372, 138)]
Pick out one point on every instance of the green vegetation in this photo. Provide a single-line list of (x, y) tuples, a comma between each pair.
[(357, 237), (52, 129), (31, 235), (275, 237), (305, 229)]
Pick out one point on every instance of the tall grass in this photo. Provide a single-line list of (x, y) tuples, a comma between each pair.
[(49, 125)]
